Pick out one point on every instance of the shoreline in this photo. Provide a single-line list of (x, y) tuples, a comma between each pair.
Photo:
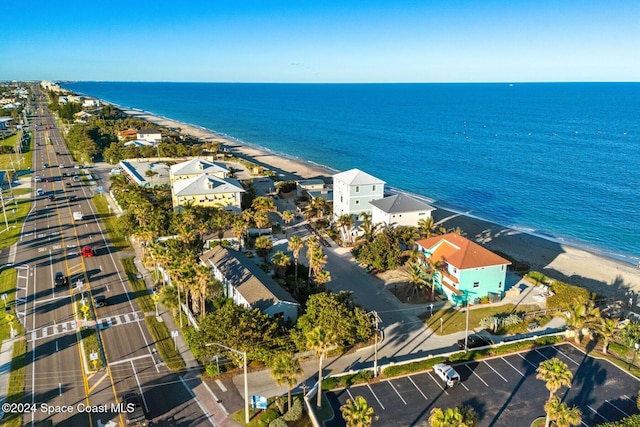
[(599, 272)]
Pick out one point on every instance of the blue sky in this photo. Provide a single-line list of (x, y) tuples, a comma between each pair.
[(321, 41)]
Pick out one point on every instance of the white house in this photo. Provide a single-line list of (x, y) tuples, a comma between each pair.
[(208, 190), (352, 192), (247, 285), (151, 135), (399, 209), (197, 167), (90, 102)]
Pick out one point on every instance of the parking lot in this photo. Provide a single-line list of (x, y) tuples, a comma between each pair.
[(503, 391)]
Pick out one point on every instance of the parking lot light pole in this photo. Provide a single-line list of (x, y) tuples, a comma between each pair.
[(376, 322), (636, 347), (246, 384)]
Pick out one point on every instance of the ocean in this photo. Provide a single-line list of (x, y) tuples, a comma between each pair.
[(559, 160)]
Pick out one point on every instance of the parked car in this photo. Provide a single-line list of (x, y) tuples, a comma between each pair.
[(60, 279), (446, 374), (474, 341)]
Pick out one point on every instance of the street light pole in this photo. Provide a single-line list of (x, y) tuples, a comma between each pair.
[(376, 322), (246, 384), (466, 328)]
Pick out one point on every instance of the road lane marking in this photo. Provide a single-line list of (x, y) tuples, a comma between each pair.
[(394, 389), (416, 385), (221, 386), (374, 395), (130, 359), (516, 369), (205, 411), (473, 373), (498, 373)]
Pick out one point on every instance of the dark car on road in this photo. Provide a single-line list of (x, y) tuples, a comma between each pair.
[(60, 279), (133, 407), (474, 341)]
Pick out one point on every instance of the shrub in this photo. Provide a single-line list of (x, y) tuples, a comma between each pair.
[(565, 294), (267, 416), (632, 421), (278, 422), (295, 412), (407, 368), (537, 277)]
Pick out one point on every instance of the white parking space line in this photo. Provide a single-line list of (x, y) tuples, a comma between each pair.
[(438, 384), (625, 414), (596, 412), (349, 393), (374, 395), (514, 368), (416, 386), (545, 357), (570, 359), (473, 373), (497, 373), (394, 389), (524, 358)]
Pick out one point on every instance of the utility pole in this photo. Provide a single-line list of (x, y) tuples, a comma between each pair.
[(376, 322)]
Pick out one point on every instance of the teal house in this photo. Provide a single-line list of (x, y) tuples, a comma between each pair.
[(466, 270)]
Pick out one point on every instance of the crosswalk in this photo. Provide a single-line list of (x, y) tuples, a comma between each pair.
[(72, 325)]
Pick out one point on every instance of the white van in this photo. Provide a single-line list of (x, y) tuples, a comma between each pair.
[(77, 216)]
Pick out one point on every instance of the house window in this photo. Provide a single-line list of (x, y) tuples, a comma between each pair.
[(373, 187), (476, 284), (500, 285), (357, 189), (502, 268), (357, 202), (455, 270), (422, 213)]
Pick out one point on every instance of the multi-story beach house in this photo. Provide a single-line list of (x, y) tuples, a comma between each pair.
[(352, 192), (246, 284), (151, 135), (197, 167), (398, 210), (208, 190), (467, 271)]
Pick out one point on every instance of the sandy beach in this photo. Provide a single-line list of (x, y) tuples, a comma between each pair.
[(603, 275)]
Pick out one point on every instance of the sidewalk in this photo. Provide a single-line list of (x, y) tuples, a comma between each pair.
[(201, 392)]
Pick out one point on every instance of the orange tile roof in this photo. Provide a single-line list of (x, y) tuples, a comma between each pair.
[(128, 132), (460, 252)]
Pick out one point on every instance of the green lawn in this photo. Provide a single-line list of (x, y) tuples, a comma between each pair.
[(11, 161), (454, 320), (15, 220), (117, 239)]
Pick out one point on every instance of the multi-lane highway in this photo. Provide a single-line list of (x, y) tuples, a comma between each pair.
[(58, 377)]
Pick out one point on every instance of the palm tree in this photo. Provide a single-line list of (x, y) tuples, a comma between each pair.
[(415, 275), (453, 417), (433, 270), (295, 246), (322, 277), (369, 229), (263, 246), (286, 370), (561, 413), (357, 412), (317, 260), (287, 217), (426, 227), (319, 340), (607, 329), (280, 262), (582, 315), (263, 204), (345, 222), (555, 373), (239, 228)]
